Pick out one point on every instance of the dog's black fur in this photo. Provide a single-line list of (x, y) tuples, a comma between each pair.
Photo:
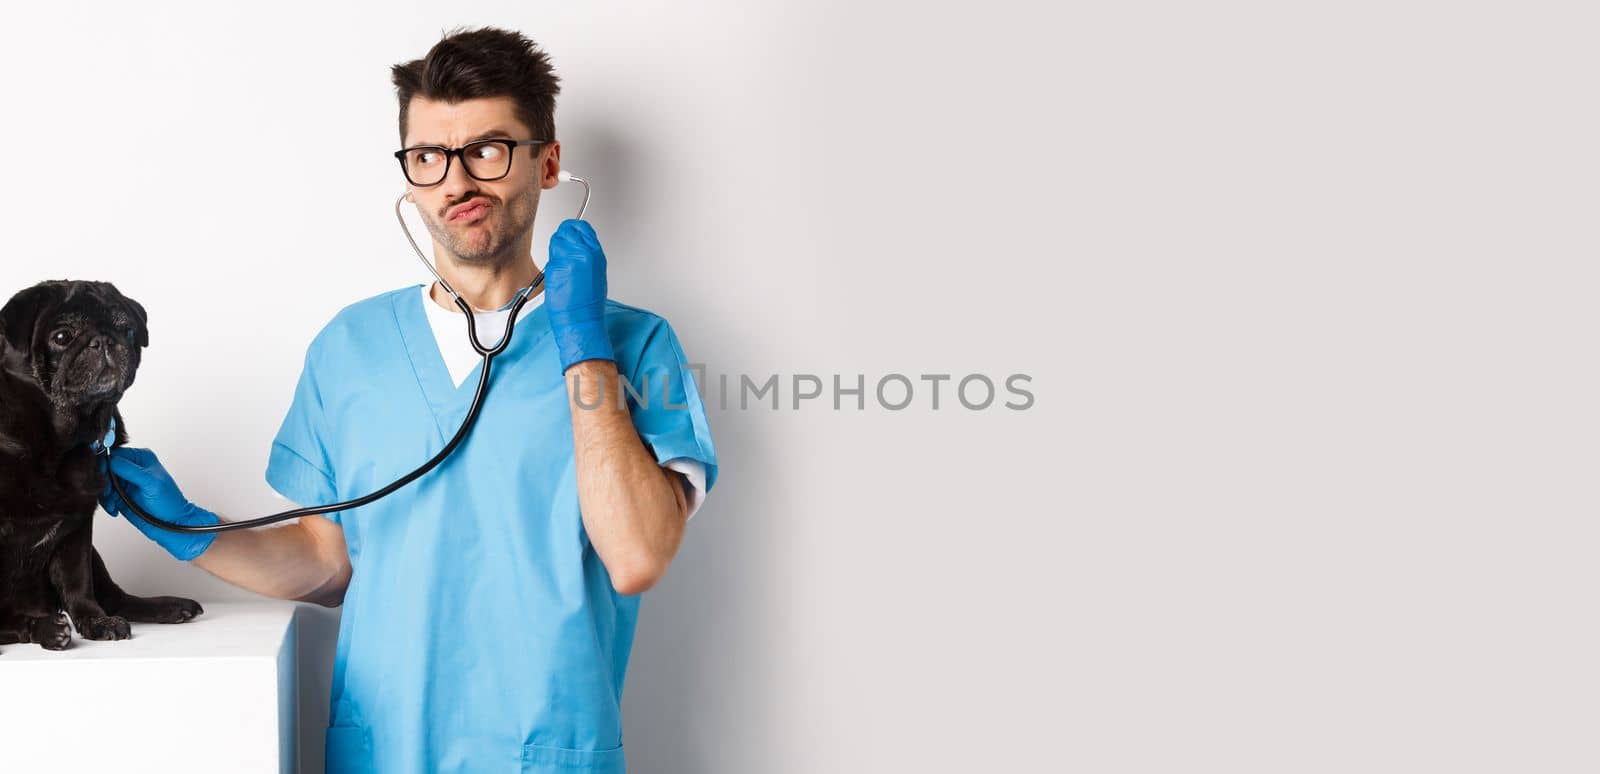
[(68, 350)]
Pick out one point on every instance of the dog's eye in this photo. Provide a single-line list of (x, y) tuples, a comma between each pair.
[(60, 338)]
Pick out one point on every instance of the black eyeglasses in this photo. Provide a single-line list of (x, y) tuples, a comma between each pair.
[(426, 165)]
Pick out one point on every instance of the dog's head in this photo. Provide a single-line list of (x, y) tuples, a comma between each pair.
[(77, 342)]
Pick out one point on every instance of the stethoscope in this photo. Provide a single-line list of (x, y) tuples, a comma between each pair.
[(103, 447)]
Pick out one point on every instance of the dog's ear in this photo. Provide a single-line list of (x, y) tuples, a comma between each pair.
[(19, 316), (135, 311), (141, 329)]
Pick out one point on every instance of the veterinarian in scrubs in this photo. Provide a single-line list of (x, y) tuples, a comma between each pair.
[(489, 606)]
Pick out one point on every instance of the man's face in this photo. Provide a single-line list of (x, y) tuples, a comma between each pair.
[(489, 234)]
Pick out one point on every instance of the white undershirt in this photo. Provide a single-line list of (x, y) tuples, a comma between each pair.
[(450, 333)]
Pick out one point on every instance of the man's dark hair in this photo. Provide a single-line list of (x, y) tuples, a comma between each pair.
[(485, 62)]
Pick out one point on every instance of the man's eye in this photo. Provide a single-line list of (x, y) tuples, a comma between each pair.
[(61, 338), (487, 152)]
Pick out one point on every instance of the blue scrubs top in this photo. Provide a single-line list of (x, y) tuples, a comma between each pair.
[(480, 631)]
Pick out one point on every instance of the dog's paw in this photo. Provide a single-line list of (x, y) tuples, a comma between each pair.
[(51, 632), (105, 627), (166, 610), (169, 610)]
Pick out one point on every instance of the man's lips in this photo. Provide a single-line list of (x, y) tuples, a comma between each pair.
[(469, 211)]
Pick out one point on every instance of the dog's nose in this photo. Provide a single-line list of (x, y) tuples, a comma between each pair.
[(96, 342)]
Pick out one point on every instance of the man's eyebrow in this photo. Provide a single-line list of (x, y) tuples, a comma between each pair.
[(489, 134), (492, 133)]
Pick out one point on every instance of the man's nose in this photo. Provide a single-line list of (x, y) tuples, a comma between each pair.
[(457, 182)]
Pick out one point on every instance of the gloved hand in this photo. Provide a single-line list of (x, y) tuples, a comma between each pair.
[(153, 490), (575, 294)]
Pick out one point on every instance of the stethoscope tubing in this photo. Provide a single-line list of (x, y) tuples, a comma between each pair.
[(482, 391)]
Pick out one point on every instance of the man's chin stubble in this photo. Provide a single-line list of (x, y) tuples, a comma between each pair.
[(493, 256)]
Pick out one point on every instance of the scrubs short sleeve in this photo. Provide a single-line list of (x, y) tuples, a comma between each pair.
[(668, 412), (298, 466)]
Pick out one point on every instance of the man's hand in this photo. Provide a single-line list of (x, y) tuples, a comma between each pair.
[(154, 491), (575, 294)]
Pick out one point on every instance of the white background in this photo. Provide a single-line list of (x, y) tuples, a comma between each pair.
[(1306, 293)]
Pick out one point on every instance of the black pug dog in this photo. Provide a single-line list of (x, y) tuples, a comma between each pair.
[(68, 350)]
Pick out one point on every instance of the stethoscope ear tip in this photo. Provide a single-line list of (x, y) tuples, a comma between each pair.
[(566, 177)]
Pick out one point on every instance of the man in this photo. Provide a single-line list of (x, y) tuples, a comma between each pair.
[(489, 606)]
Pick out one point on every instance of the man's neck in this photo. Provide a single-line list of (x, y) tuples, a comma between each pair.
[(484, 288)]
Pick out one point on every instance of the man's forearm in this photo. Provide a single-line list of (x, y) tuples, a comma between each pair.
[(284, 562), (632, 507)]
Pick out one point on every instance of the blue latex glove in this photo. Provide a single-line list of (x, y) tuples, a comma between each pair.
[(575, 294), (153, 490)]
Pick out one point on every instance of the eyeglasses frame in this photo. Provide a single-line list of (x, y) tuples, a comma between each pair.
[(450, 155)]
